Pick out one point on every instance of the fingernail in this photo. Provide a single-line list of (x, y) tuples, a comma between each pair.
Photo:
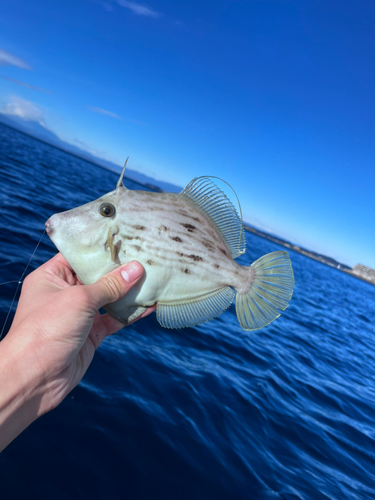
[(131, 272)]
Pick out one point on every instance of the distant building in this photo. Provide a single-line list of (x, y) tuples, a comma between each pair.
[(364, 272)]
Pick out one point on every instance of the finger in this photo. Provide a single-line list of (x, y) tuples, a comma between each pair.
[(114, 285), (56, 272), (57, 268), (103, 326), (60, 258), (112, 325), (60, 267), (57, 261)]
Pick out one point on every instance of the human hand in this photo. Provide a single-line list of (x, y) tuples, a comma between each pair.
[(54, 335)]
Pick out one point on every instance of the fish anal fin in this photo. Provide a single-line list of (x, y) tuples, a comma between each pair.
[(196, 311)]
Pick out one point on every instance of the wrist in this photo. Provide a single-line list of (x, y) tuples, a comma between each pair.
[(21, 395)]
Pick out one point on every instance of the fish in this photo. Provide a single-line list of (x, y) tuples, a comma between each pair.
[(187, 243)]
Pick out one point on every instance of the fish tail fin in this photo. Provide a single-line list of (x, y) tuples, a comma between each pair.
[(268, 291)]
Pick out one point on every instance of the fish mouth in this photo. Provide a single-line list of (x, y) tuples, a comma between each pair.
[(49, 227)]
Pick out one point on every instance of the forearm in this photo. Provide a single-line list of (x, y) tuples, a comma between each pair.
[(55, 332), (20, 393)]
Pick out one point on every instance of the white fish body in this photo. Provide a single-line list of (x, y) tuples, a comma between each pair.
[(186, 243)]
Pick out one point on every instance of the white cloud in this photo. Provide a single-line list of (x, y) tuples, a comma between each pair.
[(114, 115), (24, 84), (103, 112), (8, 59), (139, 10), (24, 109)]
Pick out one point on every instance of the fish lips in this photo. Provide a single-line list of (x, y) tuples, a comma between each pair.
[(49, 226)]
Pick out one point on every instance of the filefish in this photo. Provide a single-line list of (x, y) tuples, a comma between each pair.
[(187, 244)]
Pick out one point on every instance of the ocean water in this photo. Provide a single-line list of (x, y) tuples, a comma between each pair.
[(210, 412)]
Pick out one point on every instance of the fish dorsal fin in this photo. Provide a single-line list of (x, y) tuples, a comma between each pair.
[(120, 183), (204, 192), (196, 311)]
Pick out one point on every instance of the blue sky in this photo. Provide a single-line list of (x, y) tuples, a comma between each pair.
[(275, 97)]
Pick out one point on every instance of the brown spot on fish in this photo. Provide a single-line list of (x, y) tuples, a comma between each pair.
[(129, 237), (185, 214), (163, 228), (189, 227), (195, 258), (208, 245), (180, 254), (139, 228), (186, 270), (217, 266), (176, 203), (149, 262), (137, 247), (222, 250), (176, 238)]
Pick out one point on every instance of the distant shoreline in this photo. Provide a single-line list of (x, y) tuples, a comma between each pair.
[(320, 258)]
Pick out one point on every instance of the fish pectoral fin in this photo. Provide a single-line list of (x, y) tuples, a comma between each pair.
[(114, 248), (195, 311)]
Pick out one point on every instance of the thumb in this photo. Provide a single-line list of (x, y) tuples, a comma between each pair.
[(114, 285)]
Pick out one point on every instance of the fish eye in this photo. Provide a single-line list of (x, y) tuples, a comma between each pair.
[(107, 210)]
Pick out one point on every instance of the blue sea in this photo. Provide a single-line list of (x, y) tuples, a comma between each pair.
[(211, 412)]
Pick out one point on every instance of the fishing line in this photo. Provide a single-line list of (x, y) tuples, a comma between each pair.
[(19, 282)]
